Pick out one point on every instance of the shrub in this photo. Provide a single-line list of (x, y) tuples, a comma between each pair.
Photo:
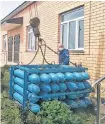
[(9, 111), (3, 69), (5, 80), (56, 112)]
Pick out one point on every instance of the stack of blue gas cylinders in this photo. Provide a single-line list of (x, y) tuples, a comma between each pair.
[(31, 85)]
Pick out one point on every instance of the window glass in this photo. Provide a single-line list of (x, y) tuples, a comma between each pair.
[(64, 35), (4, 41), (73, 14), (31, 39), (81, 34), (72, 33), (72, 30)]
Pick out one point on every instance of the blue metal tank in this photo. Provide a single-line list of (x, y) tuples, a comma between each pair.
[(33, 88), (54, 78), (81, 104), (72, 96), (80, 85), (45, 88), (45, 96), (62, 87), (19, 81), (18, 97), (19, 73), (87, 101), (78, 76), (85, 75), (61, 77), (35, 108), (69, 76), (71, 86), (45, 78), (54, 87), (34, 78), (33, 98), (18, 89), (72, 103), (87, 85), (63, 97)]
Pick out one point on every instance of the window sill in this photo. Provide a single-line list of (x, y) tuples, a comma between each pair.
[(31, 51), (77, 51)]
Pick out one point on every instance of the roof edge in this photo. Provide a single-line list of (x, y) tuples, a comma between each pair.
[(17, 10)]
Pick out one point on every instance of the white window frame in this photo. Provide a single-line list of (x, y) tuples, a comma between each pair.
[(4, 39), (29, 32), (76, 36)]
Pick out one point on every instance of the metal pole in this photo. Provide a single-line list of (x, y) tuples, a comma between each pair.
[(98, 103), (25, 95), (11, 82)]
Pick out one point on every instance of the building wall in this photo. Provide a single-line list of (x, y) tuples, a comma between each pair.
[(2, 52), (93, 56)]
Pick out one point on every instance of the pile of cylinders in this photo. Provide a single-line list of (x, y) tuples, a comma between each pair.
[(39, 86)]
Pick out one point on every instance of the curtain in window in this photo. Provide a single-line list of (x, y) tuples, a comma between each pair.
[(72, 33), (64, 35), (81, 34)]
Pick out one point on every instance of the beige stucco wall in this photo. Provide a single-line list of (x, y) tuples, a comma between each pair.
[(93, 56)]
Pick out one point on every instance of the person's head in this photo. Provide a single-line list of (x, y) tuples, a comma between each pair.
[(60, 47)]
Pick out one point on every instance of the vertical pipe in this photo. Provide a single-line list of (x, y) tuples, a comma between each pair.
[(6, 57), (25, 97), (11, 82), (98, 103)]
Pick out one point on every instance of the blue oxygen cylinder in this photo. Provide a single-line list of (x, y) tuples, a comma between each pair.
[(18, 97), (45, 88), (18, 89), (72, 103), (79, 95), (86, 95), (87, 101), (61, 77), (81, 104), (62, 87), (33, 88), (19, 81), (71, 86), (87, 85), (80, 86), (78, 76), (45, 78), (54, 78), (62, 97), (19, 73), (34, 78), (54, 87), (85, 75), (33, 98), (54, 97), (72, 96), (35, 108), (45, 96), (69, 76)]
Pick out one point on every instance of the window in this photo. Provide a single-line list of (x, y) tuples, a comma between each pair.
[(31, 39), (72, 29), (4, 42)]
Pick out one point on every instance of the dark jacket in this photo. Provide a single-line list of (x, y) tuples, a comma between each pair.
[(64, 57)]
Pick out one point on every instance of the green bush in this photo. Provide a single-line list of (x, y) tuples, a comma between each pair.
[(3, 69), (56, 112), (9, 111), (5, 76)]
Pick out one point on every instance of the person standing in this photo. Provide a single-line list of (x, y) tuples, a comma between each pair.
[(63, 55)]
